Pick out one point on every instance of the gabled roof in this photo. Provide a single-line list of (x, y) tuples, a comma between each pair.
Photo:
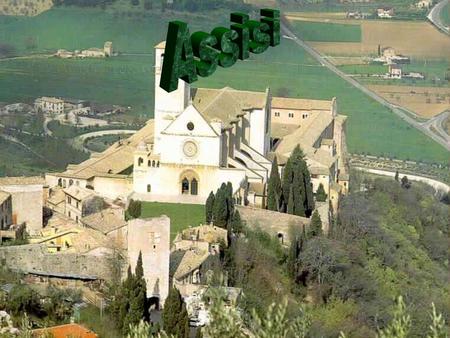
[(301, 104), (64, 331), (191, 260), (105, 221), (226, 104), (115, 159), (78, 192)]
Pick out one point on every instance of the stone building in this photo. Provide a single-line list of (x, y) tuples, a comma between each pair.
[(50, 105), (5, 210), (81, 202), (151, 237), (27, 201), (201, 138)]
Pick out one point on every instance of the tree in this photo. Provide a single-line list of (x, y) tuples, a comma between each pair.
[(134, 209), (290, 205), (230, 201), (274, 188), (135, 2), (309, 196), (298, 193), (236, 222), (174, 316), (400, 325), (209, 205), (220, 209), (396, 175), (315, 228), (148, 5), (405, 183), (321, 196), (286, 184)]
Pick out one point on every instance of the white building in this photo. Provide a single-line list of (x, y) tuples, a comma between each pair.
[(50, 105), (202, 139)]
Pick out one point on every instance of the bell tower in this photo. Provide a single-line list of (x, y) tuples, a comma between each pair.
[(167, 105)]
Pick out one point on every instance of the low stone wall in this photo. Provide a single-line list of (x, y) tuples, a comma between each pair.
[(275, 223), (34, 258)]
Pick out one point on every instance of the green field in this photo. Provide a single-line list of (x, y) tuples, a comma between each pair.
[(181, 216), (128, 80), (433, 70), (327, 32), (445, 14)]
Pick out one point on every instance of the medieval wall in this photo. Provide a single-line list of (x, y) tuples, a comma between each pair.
[(275, 223), (35, 258)]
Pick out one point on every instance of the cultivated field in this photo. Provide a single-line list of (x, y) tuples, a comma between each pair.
[(322, 31), (415, 39), (24, 7), (128, 79), (424, 101)]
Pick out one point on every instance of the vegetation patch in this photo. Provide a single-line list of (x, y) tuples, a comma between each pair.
[(330, 32), (181, 216)]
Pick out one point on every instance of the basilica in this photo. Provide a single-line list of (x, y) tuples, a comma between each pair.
[(200, 138)]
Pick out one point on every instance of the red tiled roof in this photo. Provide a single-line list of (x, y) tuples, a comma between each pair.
[(66, 331)]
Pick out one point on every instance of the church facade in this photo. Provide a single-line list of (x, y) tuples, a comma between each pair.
[(202, 137)]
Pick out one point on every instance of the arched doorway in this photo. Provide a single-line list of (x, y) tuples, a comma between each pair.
[(189, 182)]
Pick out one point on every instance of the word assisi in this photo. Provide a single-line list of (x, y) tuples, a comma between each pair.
[(187, 57)]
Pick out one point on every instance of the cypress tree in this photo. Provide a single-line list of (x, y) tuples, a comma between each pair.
[(139, 271), (174, 317), (209, 208), (292, 258), (230, 201), (220, 210), (396, 175), (321, 196), (315, 228), (286, 184), (298, 192), (274, 187), (309, 195), (236, 222), (290, 205)]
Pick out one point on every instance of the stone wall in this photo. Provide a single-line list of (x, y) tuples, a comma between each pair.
[(275, 223), (34, 258)]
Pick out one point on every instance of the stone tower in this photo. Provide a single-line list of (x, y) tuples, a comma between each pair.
[(167, 105)]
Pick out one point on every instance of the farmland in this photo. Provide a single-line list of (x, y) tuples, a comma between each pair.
[(321, 31), (424, 101), (445, 14), (415, 39), (128, 79)]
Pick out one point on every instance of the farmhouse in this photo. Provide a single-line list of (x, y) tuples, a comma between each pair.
[(385, 12), (107, 51), (202, 137), (424, 4), (395, 71), (49, 105)]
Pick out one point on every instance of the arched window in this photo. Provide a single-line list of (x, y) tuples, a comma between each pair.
[(59, 182), (70, 182), (153, 163), (149, 188), (194, 187), (157, 164), (140, 161), (149, 163), (185, 186)]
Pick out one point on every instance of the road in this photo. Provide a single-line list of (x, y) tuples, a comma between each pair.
[(78, 142), (435, 16), (400, 112), (437, 123)]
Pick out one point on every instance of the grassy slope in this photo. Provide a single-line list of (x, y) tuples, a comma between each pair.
[(329, 32), (181, 215), (445, 14), (128, 80)]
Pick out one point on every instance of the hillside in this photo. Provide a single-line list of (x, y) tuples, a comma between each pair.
[(24, 7), (388, 241)]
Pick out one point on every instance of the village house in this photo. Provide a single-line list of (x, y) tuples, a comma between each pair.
[(424, 4), (394, 71), (49, 105), (106, 51), (385, 12), (81, 202), (25, 202)]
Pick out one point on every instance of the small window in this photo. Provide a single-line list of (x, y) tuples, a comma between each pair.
[(291, 115), (149, 188), (140, 161), (190, 126), (277, 114)]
